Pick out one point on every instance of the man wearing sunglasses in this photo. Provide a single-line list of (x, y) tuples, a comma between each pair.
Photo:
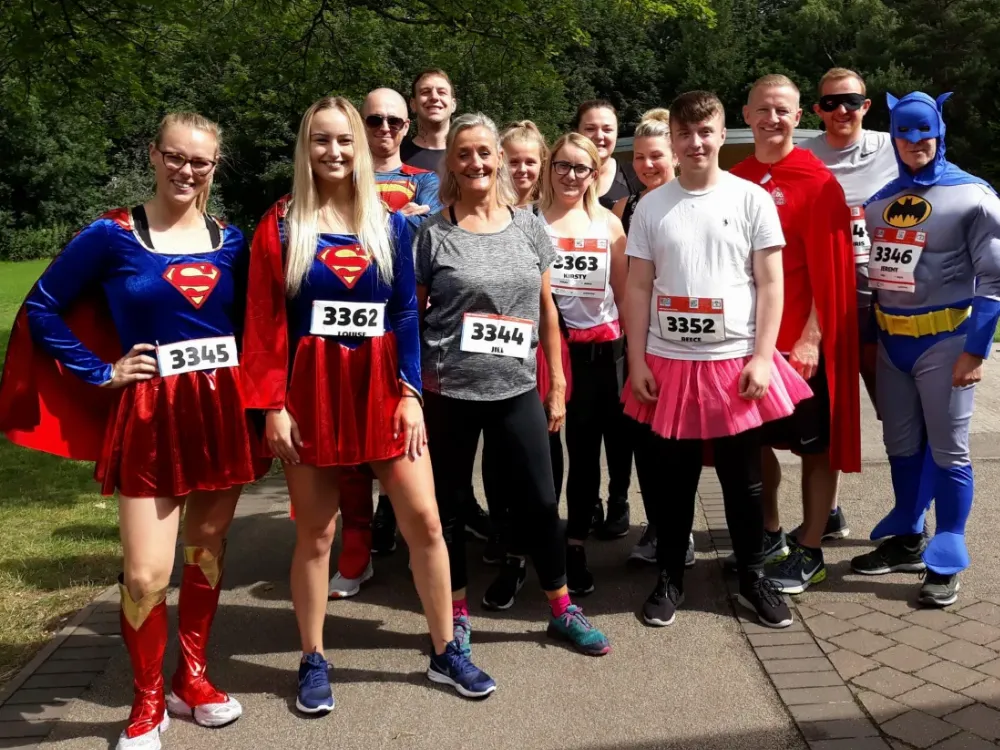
[(412, 192)]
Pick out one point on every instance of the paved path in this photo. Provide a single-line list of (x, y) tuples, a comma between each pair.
[(860, 669)]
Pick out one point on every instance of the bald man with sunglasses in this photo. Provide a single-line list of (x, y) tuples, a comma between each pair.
[(862, 161)]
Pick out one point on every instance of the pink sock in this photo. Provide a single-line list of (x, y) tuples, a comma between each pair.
[(460, 608), (559, 605)]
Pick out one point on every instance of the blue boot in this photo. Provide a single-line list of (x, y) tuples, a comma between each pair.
[(947, 553), (913, 484)]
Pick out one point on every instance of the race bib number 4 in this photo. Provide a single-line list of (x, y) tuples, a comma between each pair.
[(580, 268), (691, 319), (894, 257), (496, 334), (196, 354), (859, 234), (347, 318)]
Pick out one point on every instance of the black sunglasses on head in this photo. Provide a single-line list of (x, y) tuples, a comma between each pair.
[(375, 121), (851, 102)]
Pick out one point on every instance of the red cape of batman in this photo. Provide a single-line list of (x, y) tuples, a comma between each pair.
[(45, 406), (821, 229)]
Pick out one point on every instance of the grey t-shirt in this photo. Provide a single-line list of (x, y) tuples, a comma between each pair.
[(498, 273), (862, 169)]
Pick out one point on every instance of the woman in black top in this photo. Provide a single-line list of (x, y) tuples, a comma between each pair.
[(597, 119)]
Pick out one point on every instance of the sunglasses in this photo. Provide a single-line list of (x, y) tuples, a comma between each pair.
[(375, 122), (851, 102)]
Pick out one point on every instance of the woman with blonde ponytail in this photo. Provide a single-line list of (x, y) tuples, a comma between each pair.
[(166, 422), (333, 359)]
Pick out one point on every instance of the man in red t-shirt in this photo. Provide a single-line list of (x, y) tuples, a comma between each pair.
[(818, 331)]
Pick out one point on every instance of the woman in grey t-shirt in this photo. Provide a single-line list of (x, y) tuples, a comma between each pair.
[(484, 268)]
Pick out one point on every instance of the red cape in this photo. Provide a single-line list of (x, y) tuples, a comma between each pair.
[(823, 221), (42, 404), (265, 333)]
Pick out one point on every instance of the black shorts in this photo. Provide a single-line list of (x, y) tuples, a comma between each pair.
[(806, 431)]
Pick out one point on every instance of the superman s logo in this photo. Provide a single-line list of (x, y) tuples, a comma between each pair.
[(194, 280), (348, 262), (907, 211)]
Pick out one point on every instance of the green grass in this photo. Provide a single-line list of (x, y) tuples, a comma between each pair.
[(58, 536)]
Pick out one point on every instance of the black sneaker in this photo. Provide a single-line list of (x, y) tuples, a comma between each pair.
[(661, 606), (775, 546), (897, 554), (579, 579), (762, 595), (477, 520), (689, 555), (938, 590), (645, 549), (617, 523), (496, 550), (384, 528), (836, 528), (597, 519), (801, 569), (500, 594)]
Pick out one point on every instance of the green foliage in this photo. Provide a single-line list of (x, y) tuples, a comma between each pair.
[(84, 83)]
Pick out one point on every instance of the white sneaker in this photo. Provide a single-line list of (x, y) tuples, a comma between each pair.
[(208, 714), (343, 588), (148, 741)]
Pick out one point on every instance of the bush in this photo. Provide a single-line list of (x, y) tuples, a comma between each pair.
[(33, 243)]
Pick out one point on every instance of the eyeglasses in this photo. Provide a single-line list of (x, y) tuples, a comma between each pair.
[(851, 102), (563, 168), (175, 162), (375, 122)]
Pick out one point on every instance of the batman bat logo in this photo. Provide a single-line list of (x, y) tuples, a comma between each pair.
[(907, 211)]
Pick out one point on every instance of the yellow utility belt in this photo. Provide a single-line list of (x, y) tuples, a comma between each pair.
[(924, 324)]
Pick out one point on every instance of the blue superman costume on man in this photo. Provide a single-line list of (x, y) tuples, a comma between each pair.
[(935, 272)]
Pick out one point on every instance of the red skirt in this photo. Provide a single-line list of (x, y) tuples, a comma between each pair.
[(344, 401), (167, 437)]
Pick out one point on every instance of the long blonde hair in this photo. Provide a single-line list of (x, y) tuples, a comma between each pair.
[(371, 219), (196, 122), (525, 131), (591, 204), (503, 186)]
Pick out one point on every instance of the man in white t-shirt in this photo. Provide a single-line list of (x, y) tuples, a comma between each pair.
[(862, 161), (704, 295)]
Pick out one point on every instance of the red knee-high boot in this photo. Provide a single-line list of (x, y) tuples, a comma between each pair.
[(144, 630), (193, 695)]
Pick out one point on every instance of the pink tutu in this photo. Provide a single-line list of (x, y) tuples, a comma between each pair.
[(542, 370), (700, 400)]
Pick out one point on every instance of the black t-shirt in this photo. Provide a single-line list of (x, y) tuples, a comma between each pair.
[(624, 184), (417, 156)]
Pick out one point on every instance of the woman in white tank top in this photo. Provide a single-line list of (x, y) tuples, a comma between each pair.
[(588, 281)]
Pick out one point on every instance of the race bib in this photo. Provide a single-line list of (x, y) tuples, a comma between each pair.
[(496, 334), (580, 268), (691, 319), (196, 354), (347, 318), (859, 234), (894, 257)]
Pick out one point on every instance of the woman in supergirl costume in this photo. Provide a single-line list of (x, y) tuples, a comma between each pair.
[(166, 423), (333, 357)]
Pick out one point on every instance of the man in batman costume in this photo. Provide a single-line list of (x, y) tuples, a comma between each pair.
[(935, 275)]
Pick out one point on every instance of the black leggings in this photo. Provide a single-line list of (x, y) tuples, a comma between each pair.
[(517, 428), (593, 414), (497, 487), (668, 473)]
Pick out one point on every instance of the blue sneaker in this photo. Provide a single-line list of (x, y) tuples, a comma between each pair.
[(454, 668), (572, 626), (463, 634), (315, 692)]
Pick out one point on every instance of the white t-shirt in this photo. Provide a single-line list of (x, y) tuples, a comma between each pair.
[(704, 300), (584, 293)]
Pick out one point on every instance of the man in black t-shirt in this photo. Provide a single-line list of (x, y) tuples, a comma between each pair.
[(433, 102)]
